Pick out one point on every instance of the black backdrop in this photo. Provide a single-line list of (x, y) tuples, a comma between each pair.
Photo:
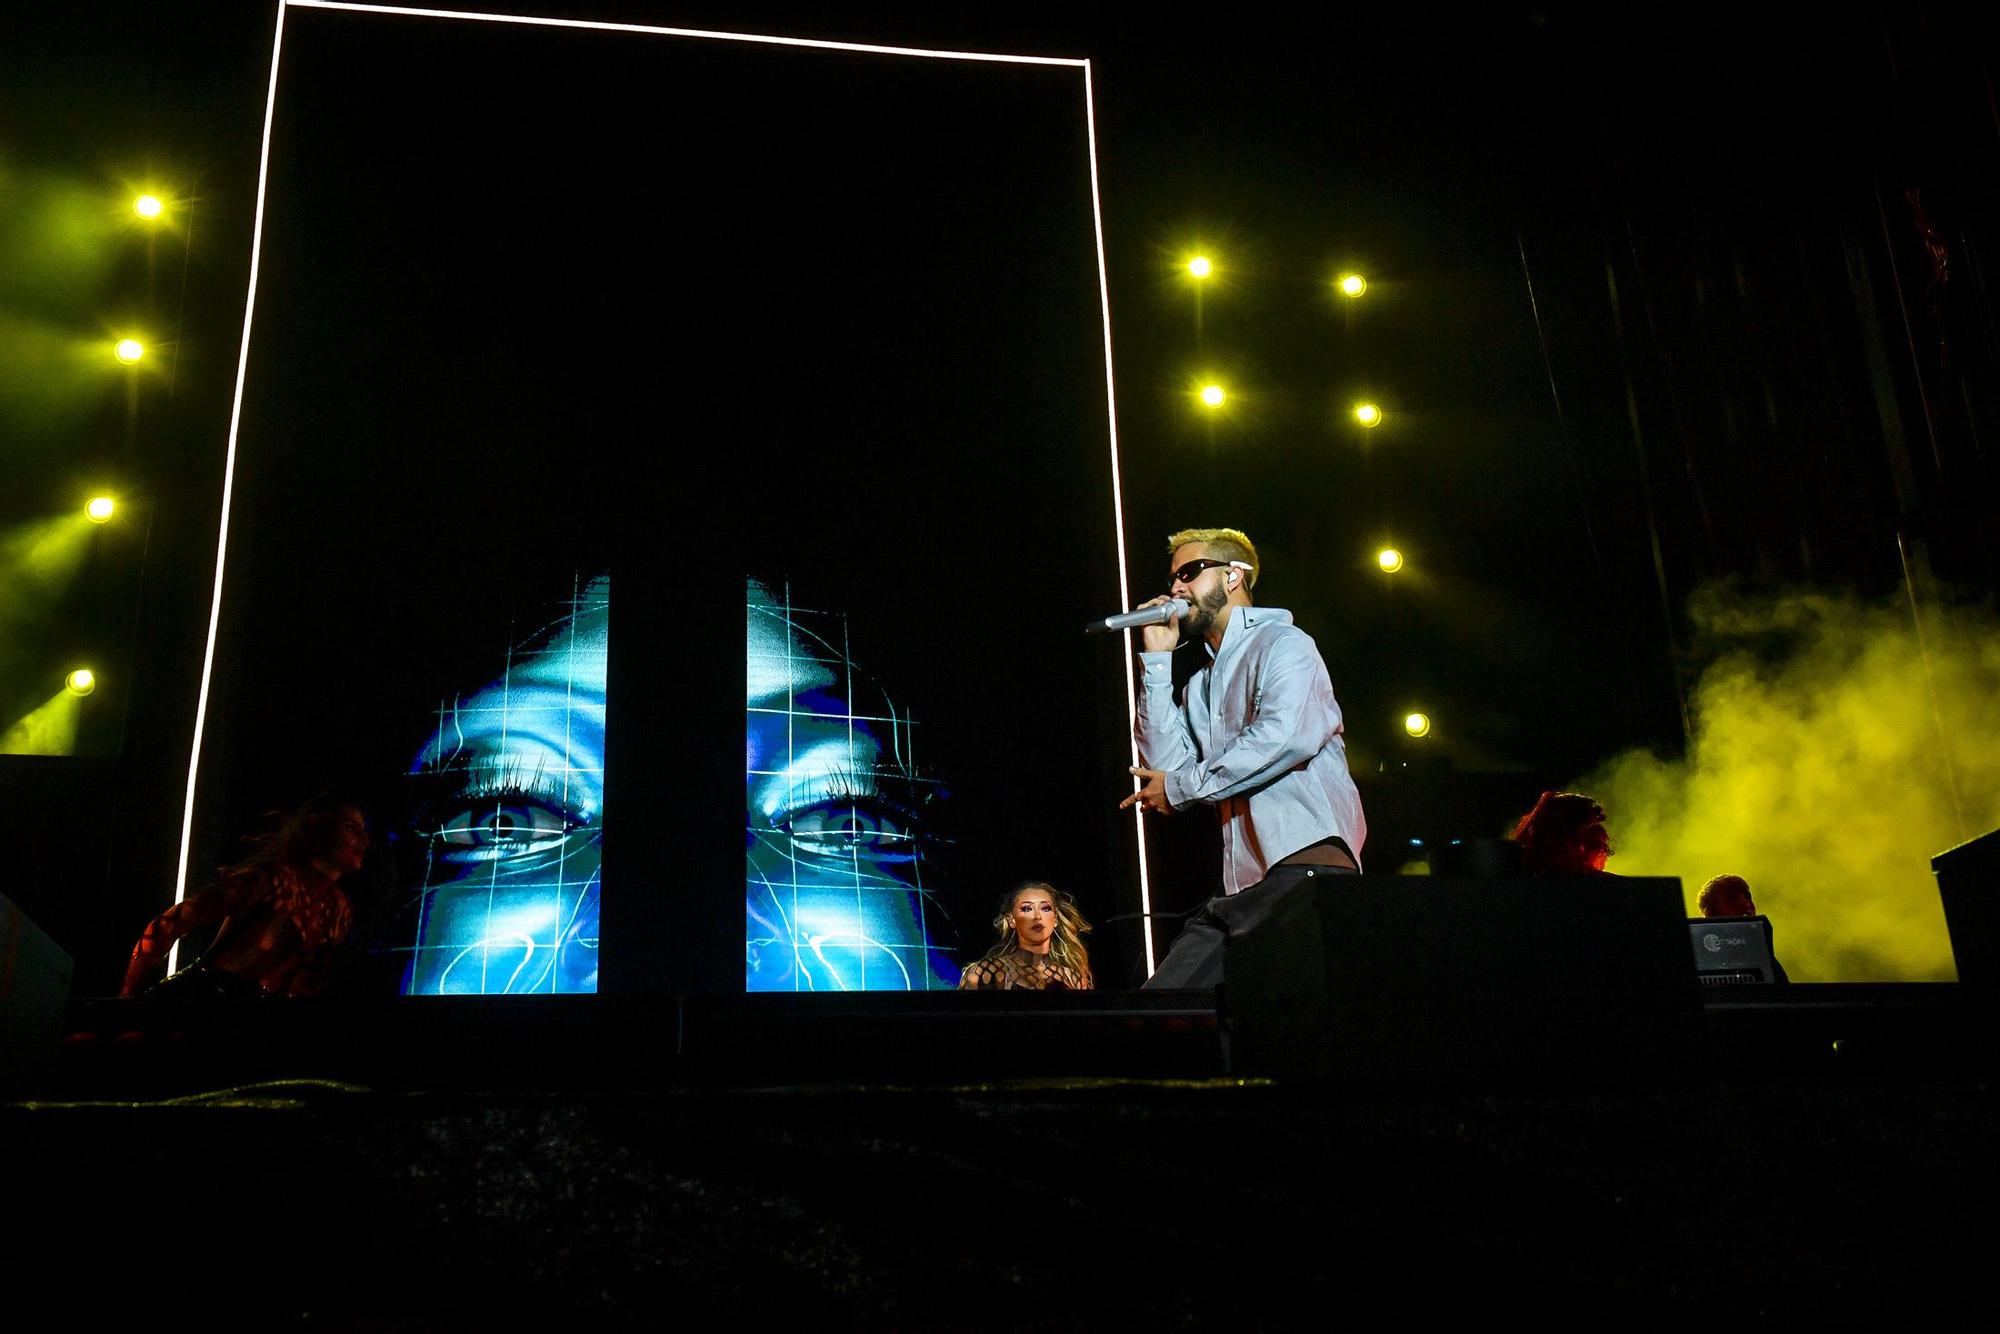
[(536, 302)]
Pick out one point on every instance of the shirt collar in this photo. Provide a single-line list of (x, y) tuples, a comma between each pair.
[(1241, 622)]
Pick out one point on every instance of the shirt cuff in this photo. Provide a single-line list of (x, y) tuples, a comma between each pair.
[(1156, 669)]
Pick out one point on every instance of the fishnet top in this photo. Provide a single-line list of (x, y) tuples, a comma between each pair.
[(274, 929), (1018, 970)]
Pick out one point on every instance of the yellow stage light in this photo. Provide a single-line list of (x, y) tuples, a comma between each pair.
[(130, 350), (1352, 284), (1418, 724), (1212, 395), (147, 206), (100, 509), (1367, 414), (81, 681), (1199, 267), (1390, 559)]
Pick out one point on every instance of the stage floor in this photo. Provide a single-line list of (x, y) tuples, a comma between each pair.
[(983, 1162), (613, 1043)]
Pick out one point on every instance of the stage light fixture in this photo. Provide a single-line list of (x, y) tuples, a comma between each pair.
[(100, 509), (81, 681), (1199, 267), (1389, 559), (130, 350), (1368, 414), (1212, 395), (1352, 284), (148, 206), (1417, 724)]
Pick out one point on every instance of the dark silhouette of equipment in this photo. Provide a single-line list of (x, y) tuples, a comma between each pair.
[(1732, 951), (1968, 879), (1436, 981), (35, 975)]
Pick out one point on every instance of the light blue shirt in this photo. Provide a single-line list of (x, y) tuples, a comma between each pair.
[(1259, 738)]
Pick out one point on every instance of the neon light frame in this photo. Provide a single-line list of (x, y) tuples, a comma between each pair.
[(250, 305)]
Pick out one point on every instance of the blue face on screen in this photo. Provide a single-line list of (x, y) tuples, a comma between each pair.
[(513, 818), (835, 836)]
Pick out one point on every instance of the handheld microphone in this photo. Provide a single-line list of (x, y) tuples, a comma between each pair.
[(1132, 620)]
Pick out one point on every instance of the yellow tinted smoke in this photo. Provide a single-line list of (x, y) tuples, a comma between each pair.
[(1824, 771), (49, 730)]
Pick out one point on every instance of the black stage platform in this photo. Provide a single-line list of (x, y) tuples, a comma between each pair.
[(609, 1043), (984, 1162)]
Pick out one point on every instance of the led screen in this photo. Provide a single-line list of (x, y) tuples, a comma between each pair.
[(503, 845), (838, 808)]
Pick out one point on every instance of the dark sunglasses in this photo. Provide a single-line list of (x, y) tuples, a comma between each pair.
[(1191, 571)]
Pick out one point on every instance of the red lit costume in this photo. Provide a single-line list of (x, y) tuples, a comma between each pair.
[(275, 937)]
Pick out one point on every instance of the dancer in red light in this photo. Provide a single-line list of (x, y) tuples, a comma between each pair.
[(1563, 835), (279, 913)]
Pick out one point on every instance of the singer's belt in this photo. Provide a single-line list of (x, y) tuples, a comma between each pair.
[(1327, 852)]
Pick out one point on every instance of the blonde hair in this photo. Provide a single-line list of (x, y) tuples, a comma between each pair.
[(1065, 949), (1222, 544)]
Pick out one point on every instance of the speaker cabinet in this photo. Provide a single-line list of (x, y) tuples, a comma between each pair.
[(1449, 982), (35, 975), (1968, 879)]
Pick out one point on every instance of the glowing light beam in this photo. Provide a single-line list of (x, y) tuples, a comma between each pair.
[(48, 730), (40, 559)]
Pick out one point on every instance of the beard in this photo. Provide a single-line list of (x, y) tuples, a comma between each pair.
[(1201, 616)]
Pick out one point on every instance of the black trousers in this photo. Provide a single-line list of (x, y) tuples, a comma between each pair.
[(1195, 961)]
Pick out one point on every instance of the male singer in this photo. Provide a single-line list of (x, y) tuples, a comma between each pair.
[(1257, 736)]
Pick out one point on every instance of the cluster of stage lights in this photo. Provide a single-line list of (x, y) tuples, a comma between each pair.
[(57, 550), (1212, 395), (1415, 724), (150, 208), (1347, 284), (100, 509)]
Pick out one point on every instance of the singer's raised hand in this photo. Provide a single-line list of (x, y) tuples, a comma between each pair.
[(1160, 638), (1152, 793)]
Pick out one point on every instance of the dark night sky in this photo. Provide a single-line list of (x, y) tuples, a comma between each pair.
[(1733, 228)]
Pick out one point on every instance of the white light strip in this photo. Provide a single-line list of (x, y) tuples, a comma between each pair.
[(1118, 513), (811, 42), (228, 477)]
